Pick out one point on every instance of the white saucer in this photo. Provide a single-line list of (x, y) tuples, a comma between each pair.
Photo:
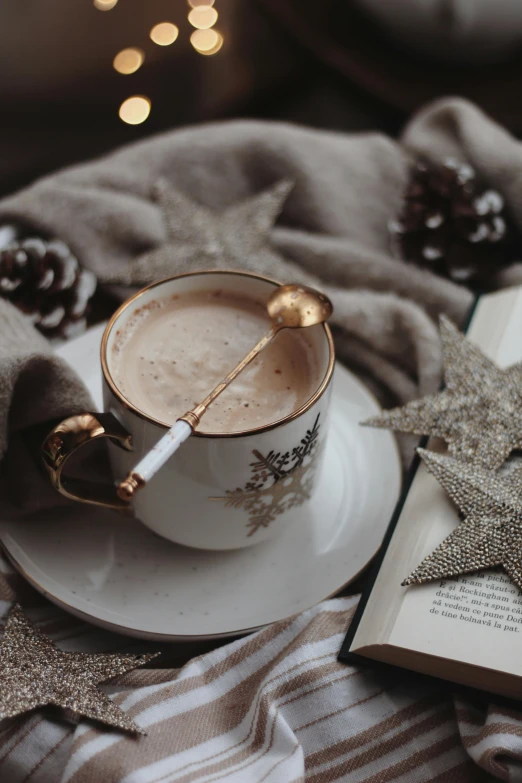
[(117, 574)]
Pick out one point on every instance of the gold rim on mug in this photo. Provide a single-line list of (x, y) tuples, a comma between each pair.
[(197, 433)]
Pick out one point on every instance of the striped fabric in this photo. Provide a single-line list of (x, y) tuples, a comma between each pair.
[(275, 707)]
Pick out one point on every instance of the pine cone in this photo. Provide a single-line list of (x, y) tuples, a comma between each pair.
[(47, 283), (452, 226)]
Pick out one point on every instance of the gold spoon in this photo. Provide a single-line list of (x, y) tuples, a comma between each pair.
[(289, 307)]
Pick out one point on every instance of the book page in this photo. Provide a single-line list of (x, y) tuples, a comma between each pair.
[(475, 618)]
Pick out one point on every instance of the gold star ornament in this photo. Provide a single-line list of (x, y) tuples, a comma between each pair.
[(491, 533), (236, 237), (478, 414), (35, 673)]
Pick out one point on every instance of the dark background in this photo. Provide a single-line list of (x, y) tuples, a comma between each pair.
[(349, 65)]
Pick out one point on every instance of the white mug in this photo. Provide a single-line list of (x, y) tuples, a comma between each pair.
[(219, 490)]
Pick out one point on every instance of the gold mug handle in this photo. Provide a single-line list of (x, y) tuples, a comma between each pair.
[(69, 436)]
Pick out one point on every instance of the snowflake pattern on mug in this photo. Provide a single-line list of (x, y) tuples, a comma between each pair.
[(278, 482)]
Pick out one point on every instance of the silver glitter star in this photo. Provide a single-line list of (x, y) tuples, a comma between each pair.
[(34, 673), (479, 413), (199, 238), (491, 533)]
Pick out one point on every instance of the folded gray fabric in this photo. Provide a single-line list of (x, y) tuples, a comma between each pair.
[(333, 225), (332, 232), (36, 388)]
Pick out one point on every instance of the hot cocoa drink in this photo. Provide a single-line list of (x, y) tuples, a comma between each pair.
[(174, 350)]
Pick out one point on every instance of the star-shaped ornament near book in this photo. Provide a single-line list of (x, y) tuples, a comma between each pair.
[(479, 412), (479, 416), (35, 673), (490, 534)]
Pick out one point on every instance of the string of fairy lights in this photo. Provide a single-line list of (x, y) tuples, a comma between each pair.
[(205, 39)]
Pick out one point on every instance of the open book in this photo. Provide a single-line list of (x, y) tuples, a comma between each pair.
[(469, 629)]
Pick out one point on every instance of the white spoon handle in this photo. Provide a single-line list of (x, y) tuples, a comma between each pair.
[(155, 459), (163, 450)]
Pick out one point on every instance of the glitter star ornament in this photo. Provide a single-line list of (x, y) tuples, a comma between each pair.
[(200, 238), (35, 673), (478, 414), (491, 533)]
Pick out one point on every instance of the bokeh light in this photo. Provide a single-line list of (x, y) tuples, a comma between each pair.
[(104, 5), (206, 42), (197, 3), (216, 47), (203, 17), (128, 60), (135, 109), (164, 33)]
